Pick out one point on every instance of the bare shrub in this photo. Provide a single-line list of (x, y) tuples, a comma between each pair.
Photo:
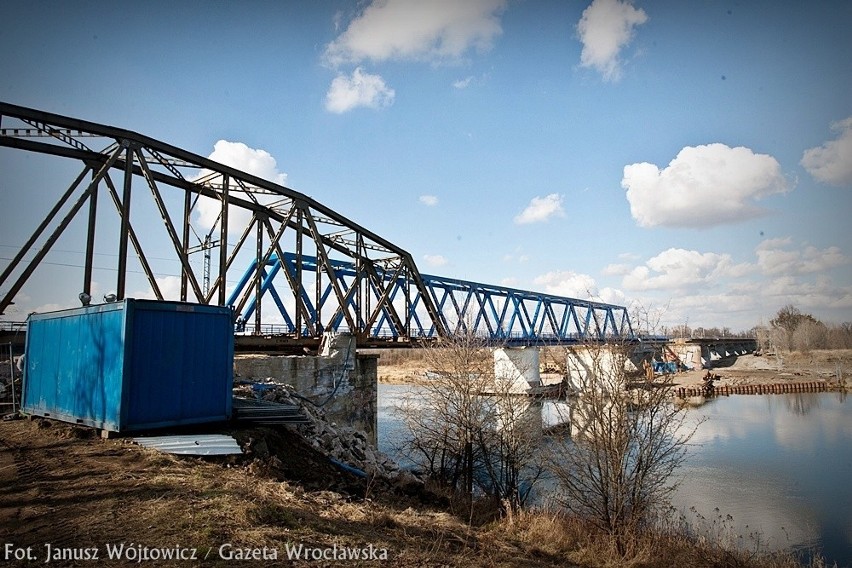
[(616, 469), (810, 335), (468, 429)]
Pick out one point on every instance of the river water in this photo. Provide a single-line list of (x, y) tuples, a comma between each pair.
[(769, 472)]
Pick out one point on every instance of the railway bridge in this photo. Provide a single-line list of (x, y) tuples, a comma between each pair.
[(290, 267), (301, 267)]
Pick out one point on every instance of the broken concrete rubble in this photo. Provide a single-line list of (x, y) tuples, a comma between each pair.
[(340, 379), (340, 443)]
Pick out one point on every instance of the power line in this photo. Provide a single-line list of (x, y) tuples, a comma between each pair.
[(68, 265), (96, 254)]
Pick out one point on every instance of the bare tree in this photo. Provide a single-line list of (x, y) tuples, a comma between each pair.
[(616, 467), (810, 335), (469, 429), (840, 336), (786, 321)]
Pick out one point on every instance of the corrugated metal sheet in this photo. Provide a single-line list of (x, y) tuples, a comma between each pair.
[(132, 365), (199, 445), (265, 412)]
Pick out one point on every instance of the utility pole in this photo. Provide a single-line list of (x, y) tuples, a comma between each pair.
[(206, 246)]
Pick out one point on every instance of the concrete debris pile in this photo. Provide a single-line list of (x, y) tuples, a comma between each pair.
[(343, 444), (6, 371)]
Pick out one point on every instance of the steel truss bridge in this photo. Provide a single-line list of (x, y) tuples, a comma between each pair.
[(320, 270)]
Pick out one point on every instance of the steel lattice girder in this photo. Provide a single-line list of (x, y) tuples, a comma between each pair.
[(312, 226), (507, 315)]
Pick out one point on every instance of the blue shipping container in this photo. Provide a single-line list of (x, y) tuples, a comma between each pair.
[(131, 365)]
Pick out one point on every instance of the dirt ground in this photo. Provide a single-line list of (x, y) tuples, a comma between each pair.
[(830, 366), (61, 485)]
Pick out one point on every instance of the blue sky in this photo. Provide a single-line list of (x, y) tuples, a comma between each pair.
[(692, 157)]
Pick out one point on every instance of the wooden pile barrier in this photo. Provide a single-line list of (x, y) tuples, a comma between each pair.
[(776, 388)]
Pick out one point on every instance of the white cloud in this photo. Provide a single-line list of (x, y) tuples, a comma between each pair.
[(605, 28), (435, 260), (819, 295), (568, 283), (428, 200), (703, 186), (612, 296), (358, 90), (463, 83), (711, 290), (253, 161), (435, 31), (541, 209), (832, 162), (775, 258), (169, 287), (677, 269), (616, 269), (259, 163)]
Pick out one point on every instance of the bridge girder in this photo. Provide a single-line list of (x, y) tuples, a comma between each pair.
[(507, 316), (276, 213), (338, 274)]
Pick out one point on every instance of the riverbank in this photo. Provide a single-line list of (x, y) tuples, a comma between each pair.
[(409, 366), (65, 487)]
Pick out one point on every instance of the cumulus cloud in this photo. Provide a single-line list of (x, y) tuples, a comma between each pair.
[(435, 260), (250, 160), (832, 162), (359, 89), (775, 257), (703, 186), (616, 269), (253, 161), (612, 296), (428, 200), (567, 283), (541, 209), (605, 28), (711, 289), (677, 269), (570, 284), (433, 31)]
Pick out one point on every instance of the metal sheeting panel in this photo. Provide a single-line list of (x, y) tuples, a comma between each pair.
[(74, 365), (200, 445), (181, 359), (265, 412)]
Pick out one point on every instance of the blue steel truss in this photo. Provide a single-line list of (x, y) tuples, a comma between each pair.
[(500, 314)]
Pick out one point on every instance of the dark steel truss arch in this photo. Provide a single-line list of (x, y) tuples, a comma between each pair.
[(278, 215), (337, 275)]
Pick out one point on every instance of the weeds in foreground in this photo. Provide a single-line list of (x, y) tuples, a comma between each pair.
[(672, 542)]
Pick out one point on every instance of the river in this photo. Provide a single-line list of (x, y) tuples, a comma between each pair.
[(762, 471)]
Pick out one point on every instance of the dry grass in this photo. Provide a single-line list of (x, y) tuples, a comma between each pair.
[(81, 492), (672, 544)]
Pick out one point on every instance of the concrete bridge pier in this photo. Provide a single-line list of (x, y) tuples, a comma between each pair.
[(516, 369), (341, 381), (605, 362)]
